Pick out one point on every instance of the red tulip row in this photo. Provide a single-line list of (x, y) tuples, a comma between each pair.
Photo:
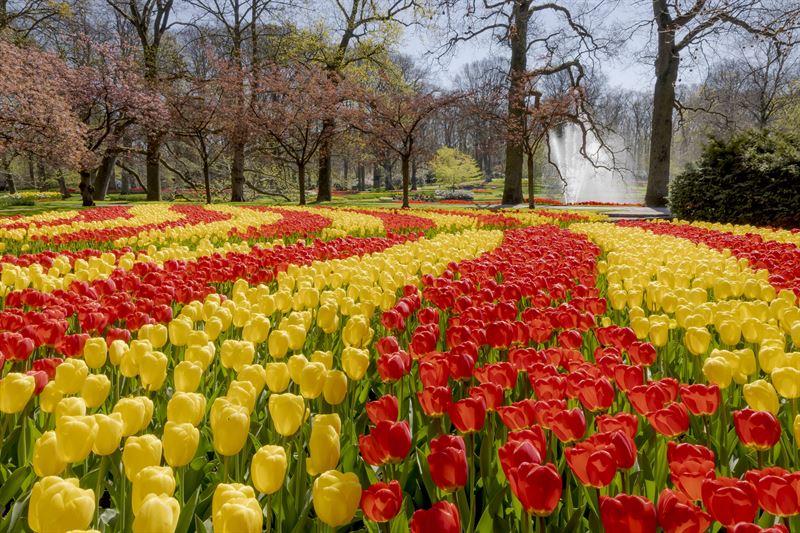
[(87, 215), (781, 259)]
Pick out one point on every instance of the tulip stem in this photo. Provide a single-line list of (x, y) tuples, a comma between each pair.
[(225, 468), (526, 523), (473, 483), (102, 470), (268, 513)]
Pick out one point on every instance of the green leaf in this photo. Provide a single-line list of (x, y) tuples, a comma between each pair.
[(187, 512), (14, 486), (486, 523)]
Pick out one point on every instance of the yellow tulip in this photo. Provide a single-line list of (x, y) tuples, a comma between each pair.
[(771, 357), (186, 407), (187, 376), (95, 390), (718, 371), (75, 436), (109, 433), (355, 362), (235, 509), (760, 395), (46, 461), (117, 351), (256, 375), (730, 332), (95, 352), (153, 370), (296, 364), (326, 358), (179, 330), (151, 480), (200, 354), (324, 449), (158, 513), (796, 430), (60, 505), (257, 329), (214, 327), (268, 469), (180, 441), (640, 326), (357, 332), (139, 453), (328, 318), (70, 375), (697, 340), (70, 406), (336, 497), (787, 382), (277, 376), (278, 344), (197, 338), (242, 393), (312, 380), (235, 354), (230, 425), (335, 390), (136, 414), (288, 412), (129, 364), (50, 397), (157, 334)]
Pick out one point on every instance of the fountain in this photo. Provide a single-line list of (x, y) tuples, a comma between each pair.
[(586, 178)]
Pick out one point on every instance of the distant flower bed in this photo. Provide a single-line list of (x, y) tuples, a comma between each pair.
[(31, 195)]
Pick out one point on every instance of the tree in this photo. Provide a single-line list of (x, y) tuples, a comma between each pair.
[(150, 20), (561, 38), (681, 28), (290, 106), (393, 117), (453, 166)]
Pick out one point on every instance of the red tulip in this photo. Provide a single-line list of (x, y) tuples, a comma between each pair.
[(428, 315), (15, 347), (543, 411), (392, 320), (757, 429), (434, 400), (534, 435), (550, 387), (384, 408), (468, 415), (628, 514), (568, 425), (393, 366), (514, 453), (622, 446), (730, 500), (387, 345), (394, 438), (649, 398), (491, 393), (514, 417), (448, 462), (72, 345), (593, 466), (670, 421), (777, 490), (748, 527), (113, 334), (48, 366), (596, 394), (424, 340), (626, 422), (628, 377), (461, 364), (571, 339), (381, 501), (441, 518), (537, 487), (40, 379), (689, 475), (677, 514), (700, 399), (642, 353), (503, 374), (434, 371), (685, 451)]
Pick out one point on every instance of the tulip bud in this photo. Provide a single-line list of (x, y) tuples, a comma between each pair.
[(75, 436), (312, 380), (157, 512), (117, 350), (151, 480), (787, 382), (760, 395), (355, 362), (268, 469), (234, 509), (257, 329), (70, 406), (187, 376), (60, 505), (278, 344), (242, 393), (95, 390), (179, 330), (186, 407), (213, 327), (230, 425), (139, 453), (109, 433), (95, 351), (296, 364), (235, 354), (46, 461), (328, 318), (180, 441), (153, 370), (357, 332), (336, 497), (50, 397), (717, 371), (136, 414), (70, 375), (200, 354), (335, 389), (277, 376), (324, 449), (256, 375), (288, 413), (157, 334)]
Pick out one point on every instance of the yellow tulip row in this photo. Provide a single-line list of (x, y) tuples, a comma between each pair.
[(768, 234), (671, 286)]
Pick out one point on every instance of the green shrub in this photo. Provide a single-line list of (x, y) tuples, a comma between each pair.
[(751, 178)]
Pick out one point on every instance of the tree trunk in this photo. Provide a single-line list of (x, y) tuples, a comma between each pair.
[(237, 172), (387, 176), (126, 182), (414, 174), (153, 166), (324, 180), (376, 177), (207, 179), (531, 184), (86, 188), (361, 173), (667, 61), (10, 185), (104, 176), (405, 166), (301, 182), (32, 172), (62, 186), (346, 173), (512, 187)]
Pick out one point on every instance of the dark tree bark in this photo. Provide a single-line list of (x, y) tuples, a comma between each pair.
[(62, 186), (237, 172), (414, 174), (301, 182), (153, 168), (667, 62), (126, 182), (207, 180), (346, 172), (531, 183), (325, 164), (32, 171), (105, 173), (405, 165), (86, 188), (361, 173), (512, 187), (376, 177)]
